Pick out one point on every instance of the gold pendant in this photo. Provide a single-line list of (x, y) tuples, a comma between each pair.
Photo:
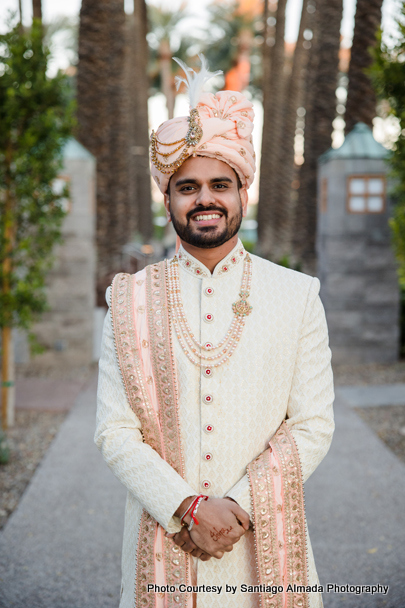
[(242, 307)]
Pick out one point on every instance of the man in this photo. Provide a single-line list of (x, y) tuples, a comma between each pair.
[(215, 393)]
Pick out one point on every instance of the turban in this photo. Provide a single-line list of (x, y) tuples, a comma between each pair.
[(219, 126)]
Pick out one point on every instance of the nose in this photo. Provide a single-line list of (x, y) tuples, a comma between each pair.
[(205, 196)]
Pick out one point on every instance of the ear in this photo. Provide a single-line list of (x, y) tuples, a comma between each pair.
[(244, 200), (167, 204)]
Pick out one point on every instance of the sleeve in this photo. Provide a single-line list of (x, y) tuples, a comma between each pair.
[(240, 492), (309, 411), (151, 480), (310, 406)]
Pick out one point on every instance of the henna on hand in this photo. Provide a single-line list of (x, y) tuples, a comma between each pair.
[(216, 534)]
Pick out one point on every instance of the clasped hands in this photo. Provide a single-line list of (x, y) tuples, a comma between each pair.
[(221, 523)]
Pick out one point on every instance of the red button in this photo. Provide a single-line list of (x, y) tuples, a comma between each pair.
[(208, 456), (208, 428), (207, 372), (209, 291), (208, 318), (206, 484), (208, 399), (208, 345)]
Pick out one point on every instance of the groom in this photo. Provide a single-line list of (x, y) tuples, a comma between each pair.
[(215, 393)]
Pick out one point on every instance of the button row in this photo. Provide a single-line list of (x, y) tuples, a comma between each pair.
[(208, 399)]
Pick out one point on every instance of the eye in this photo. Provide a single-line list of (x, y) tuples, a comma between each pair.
[(187, 188), (220, 186)]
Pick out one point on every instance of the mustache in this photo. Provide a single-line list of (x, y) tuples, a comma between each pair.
[(211, 209)]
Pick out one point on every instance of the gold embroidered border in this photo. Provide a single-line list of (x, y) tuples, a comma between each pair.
[(266, 543), (261, 477), (164, 369), (177, 563), (145, 561), (126, 347), (294, 515)]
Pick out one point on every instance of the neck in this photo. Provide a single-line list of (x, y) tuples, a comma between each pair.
[(211, 257)]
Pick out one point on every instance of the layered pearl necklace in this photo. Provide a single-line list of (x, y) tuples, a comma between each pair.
[(196, 352)]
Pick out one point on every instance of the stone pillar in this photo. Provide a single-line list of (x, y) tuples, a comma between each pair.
[(66, 331), (356, 264)]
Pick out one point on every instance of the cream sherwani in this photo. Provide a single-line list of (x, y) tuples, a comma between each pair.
[(281, 368)]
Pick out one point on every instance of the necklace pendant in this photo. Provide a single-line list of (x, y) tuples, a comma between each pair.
[(242, 308)]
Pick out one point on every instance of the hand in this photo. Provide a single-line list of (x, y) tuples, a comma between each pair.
[(222, 522), (183, 540)]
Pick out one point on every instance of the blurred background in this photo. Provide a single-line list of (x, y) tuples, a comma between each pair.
[(82, 84), (313, 71)]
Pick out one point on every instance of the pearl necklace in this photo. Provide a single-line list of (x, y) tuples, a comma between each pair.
[(193, 349)]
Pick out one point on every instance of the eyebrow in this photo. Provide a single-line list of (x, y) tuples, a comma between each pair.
[(192, 180)]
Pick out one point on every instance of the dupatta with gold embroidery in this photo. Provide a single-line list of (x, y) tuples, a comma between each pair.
[(275, 476)]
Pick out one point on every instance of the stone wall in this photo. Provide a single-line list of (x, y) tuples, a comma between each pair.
[(357, 270), (66, 330)]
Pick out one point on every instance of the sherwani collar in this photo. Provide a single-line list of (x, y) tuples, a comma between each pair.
[(198, 269)]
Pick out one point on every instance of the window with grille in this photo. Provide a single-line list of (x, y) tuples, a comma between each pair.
[(366, 193)]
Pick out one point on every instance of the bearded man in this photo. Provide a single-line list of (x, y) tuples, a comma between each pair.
[(215, 391)]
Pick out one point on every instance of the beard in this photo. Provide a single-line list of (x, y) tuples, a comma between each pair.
[(208, 237)]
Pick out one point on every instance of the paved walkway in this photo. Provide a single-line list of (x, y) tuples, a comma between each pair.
[(61, 548)]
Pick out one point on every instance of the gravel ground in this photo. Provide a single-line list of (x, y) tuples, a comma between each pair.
[(34, 431), (31, 436), (369, 374), (388, 423), (28, 441)]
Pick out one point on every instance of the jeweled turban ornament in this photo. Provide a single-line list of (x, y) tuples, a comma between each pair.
[(195, 85)]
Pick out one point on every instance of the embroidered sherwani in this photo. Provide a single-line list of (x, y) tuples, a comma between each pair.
[(279, 370)]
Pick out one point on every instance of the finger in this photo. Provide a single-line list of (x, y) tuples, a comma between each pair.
[(229, 548), (188, 546), (205, 557), (178, 540), (241, 516), (171, 535), (196, 552), (218, 554), (181, 537)]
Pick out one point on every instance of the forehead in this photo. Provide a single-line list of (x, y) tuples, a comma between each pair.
[(203, 168)]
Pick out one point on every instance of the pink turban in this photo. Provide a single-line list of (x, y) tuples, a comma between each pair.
[(220, 127)]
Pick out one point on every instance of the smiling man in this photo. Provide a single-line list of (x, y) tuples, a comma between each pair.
[(215, 392)]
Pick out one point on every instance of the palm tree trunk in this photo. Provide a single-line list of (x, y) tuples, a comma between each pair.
[(286, 168), (118, 144), (273, 97), (138, 87), (102, 127), (37, 9), (361, 99), (165, 60), (320, 108)]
